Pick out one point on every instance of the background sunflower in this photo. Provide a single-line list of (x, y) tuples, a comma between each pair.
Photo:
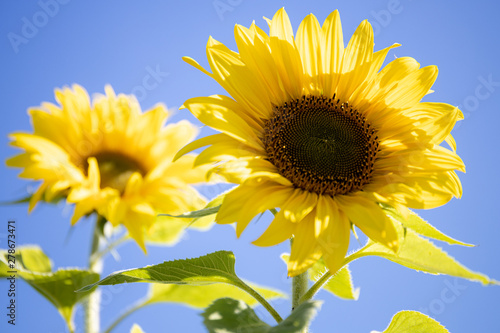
[(106, 156), (93, 47)]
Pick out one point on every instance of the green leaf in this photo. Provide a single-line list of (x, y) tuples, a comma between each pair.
[(419, 254), (202, 296), (229, 315), (217, 267), (420, 226), (168, 229), (136, 329), (232, 316), (210, 268), (197, 213), (27, 257), (413, 321), (201, 215), (193, 281), (58, 287), (213, 206), (340, 284)]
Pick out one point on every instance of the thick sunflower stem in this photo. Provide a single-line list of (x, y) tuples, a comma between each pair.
[(300, 284), (92, 304)]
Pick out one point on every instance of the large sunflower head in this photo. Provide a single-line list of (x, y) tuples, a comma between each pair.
[(320, 131), (109, 157)]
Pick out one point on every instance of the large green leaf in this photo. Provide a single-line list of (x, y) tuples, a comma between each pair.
[(211, 268), (193, 280), (233, 316), (420, 226), (202, 296), (412, 322), (58, 287), (419, 254), (340, 284)]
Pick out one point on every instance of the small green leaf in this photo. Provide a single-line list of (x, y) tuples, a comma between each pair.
[(197, 213), (136, 329), (168, 229), (340, 284), (413, 321), (27, 257), (419, 254), (58, 287), (205, 222), (202, 296), (232, 316), (420, 226)]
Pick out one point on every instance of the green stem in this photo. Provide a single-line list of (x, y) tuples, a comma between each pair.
[(315, 287), (261, 300), (124, 315), (300, 283), (92, 304)]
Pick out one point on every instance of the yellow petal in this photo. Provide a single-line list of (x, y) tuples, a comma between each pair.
[(369, 217), (205, 141), (305, 249), (356, 61), (213, 112), (332, 52), (253, 46), (309, 40), (232, 74), (278, 231), (286, 55), (334, 240), (255, 199)]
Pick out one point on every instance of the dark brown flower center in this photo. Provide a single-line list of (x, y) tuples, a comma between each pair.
[(321, 145), (115, 169)]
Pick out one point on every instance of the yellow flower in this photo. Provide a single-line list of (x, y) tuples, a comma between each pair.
[(321, 132), (109, 157)]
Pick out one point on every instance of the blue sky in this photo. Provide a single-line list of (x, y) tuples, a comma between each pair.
[(44, 46)]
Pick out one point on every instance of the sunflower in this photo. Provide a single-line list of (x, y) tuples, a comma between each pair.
[(109, 157), (324, 134)]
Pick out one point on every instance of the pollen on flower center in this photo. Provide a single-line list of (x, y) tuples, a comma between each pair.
[(115, 169), (321, 145)]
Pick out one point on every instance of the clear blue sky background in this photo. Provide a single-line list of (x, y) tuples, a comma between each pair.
[(94, 43)]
